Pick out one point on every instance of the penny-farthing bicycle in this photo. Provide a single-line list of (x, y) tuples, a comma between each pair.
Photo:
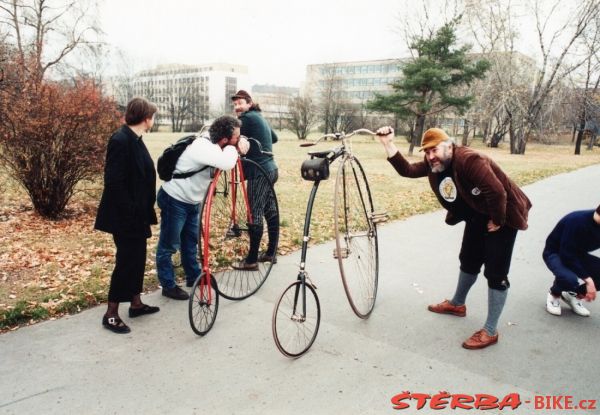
[(297, 313), (228, 221)]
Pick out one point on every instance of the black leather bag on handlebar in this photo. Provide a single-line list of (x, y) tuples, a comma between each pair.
[(315, 169)]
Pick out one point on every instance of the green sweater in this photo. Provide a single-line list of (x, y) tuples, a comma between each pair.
[(255, 126)]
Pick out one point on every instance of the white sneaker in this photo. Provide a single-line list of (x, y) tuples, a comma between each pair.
[(575, 304), (553, 305)]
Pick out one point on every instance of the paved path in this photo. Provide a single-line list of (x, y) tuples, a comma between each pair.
[(73, 366)]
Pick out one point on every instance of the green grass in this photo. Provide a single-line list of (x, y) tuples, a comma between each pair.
[(400, 197), (23, 298)]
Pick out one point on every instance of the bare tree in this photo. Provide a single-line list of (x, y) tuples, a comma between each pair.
[(559, 28), (34, 24), (179, 102), (303, 116), (281, 106), (585, 90)]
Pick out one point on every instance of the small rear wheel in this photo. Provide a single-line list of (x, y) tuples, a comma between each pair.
[(296, 319), (203, 305)]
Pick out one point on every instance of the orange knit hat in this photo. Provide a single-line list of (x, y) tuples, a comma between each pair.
[(432, 138)]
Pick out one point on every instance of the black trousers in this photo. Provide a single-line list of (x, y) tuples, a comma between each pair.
[(492, 249), (130, 263)]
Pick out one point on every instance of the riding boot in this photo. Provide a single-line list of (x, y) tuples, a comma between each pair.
[(255, 233), (273, 232)]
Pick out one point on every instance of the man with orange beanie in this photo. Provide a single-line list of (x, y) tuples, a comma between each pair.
[(472, 188)]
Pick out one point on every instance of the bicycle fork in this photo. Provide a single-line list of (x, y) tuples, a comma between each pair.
[(301, 317)]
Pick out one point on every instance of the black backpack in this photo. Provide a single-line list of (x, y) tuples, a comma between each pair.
[(165, 165)]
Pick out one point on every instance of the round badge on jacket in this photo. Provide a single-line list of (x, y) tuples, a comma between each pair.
[(448, 189)]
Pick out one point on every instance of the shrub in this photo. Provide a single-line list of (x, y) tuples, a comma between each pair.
[(52, 136)]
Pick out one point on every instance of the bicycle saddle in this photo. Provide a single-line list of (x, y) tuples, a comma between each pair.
[(319, 154)]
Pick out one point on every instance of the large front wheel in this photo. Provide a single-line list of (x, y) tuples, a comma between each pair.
[(236, 226), (296, 319), (356, 237)]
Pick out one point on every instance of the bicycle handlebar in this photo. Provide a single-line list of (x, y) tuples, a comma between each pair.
[(250, 139), (339, 136)]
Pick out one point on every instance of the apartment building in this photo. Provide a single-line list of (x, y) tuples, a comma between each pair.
[(190, 95), (274, 103), (353, 82)]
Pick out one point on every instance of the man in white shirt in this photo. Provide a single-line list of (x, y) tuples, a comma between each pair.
[(179, 200)]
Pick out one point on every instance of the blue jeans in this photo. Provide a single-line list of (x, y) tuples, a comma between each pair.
[(567, 280), (179, 225)]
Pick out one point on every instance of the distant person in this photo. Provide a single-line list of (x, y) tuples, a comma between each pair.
[(261, 203), (179, 200), (127, 210), (472, 188), (567, 255)]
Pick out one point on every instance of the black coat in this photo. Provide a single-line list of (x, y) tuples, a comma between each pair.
[(127, 203)]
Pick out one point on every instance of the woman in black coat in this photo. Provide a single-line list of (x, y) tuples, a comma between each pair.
[(127, 210)]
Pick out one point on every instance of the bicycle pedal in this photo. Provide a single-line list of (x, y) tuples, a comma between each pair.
[(345, 252), (298, 318), (379, 217), (233, 232)]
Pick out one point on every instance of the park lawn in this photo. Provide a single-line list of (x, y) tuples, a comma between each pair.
[(49, 268)]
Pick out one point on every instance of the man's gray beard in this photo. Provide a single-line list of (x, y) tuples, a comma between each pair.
[(441, 167)]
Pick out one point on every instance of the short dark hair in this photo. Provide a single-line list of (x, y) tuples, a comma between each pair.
[(138, 110), (223, 127)]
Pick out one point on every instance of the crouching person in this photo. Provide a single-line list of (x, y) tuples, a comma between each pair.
[(567, 255)]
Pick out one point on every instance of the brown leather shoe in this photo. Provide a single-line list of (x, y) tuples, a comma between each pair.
[(479, 340), (446, 307)]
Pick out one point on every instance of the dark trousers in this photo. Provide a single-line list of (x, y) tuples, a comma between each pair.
[(130, 263), (260, 197), (262, 205), (492, 249), (567, 280)]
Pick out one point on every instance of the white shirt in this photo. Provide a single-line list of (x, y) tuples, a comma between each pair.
[(202, 152)]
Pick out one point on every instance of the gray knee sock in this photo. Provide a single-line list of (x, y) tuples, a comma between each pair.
[(465, 282), (496, 300)]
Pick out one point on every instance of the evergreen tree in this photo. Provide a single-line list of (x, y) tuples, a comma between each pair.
[(432, 81)]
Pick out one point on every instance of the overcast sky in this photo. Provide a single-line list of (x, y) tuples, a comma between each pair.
[(276, 39)]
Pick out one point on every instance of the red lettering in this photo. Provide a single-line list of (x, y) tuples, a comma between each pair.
[(512, 400), (556, 402), (485, 401), (582, 404), (568, 402), (397, 400), (421, 399), (592, 404), (538, 402), (439, 400), (460, 401)]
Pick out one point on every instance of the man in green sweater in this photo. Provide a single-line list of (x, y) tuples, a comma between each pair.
[(254, 126)]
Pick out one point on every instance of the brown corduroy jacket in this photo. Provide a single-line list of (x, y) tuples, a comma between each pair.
[(481, 183)]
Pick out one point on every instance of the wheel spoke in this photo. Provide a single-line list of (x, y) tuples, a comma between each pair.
[(357, 235), (293, 331)]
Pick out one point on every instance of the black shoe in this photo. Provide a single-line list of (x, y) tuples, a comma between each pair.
[(115, 324), (176, 293), (267, 258), (244, 266), (144, 309)]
